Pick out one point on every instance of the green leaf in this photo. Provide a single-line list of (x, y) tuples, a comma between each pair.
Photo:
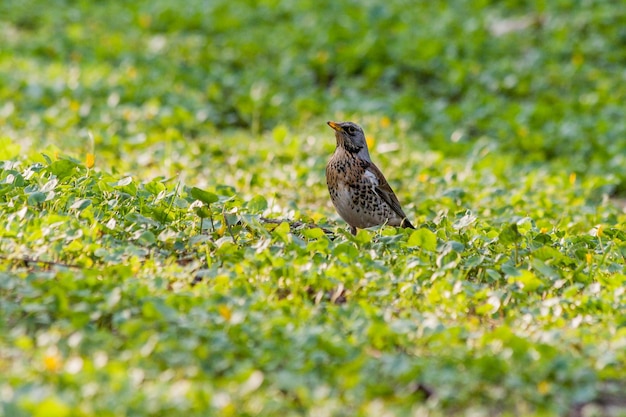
[(63, 168), (81, 204), (36, 198), (423, 238), (528, 281), (203, 212), (363, 236), (123, 182), (282, 230), (547, 253), (155, 187), (467, 220), (509, 234), (257, 204), (205, 196), (313, 233), (146, 238), (346, 252)]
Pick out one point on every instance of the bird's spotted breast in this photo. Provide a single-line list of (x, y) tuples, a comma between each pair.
[(352, 189)]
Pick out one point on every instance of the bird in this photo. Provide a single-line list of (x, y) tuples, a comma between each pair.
[(358, 189)]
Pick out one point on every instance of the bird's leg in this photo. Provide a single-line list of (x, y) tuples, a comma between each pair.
[(353, 230)]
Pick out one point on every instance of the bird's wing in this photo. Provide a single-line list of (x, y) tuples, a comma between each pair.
[(383, 189)]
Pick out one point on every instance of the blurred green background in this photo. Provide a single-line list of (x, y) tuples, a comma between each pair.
[(539, 80)]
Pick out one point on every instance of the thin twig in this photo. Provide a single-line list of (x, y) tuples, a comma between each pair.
[(295, 224), (40, 261)]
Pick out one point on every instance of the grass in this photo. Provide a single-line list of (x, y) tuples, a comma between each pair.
[(168, 244)]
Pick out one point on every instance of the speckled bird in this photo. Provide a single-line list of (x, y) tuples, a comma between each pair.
[(359, 191)]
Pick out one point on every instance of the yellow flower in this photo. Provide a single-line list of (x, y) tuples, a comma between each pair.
[(543, 387), (90, 160), (225, 312), (599, 231), (52, 362)]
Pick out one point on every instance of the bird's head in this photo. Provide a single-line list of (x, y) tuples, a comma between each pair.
[(350, 136)]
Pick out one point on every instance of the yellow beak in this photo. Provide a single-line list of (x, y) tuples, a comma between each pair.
[(334, 126)]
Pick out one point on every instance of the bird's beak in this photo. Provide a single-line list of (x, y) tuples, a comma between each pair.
[(335, 126)]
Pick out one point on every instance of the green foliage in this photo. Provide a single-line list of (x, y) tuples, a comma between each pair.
[(162, 277)]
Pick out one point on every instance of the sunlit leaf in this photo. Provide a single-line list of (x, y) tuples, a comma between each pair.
[(424, 239)]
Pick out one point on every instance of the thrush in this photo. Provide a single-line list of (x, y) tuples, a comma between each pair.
[(359, 191)]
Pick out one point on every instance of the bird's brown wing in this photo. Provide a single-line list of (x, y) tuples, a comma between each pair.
[(384, 191)]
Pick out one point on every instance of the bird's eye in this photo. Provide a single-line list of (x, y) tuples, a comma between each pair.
[(351, 130)]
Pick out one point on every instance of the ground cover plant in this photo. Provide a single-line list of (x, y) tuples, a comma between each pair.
[(168, 245)]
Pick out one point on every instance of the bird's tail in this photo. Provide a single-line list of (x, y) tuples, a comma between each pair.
[(406, 223)]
